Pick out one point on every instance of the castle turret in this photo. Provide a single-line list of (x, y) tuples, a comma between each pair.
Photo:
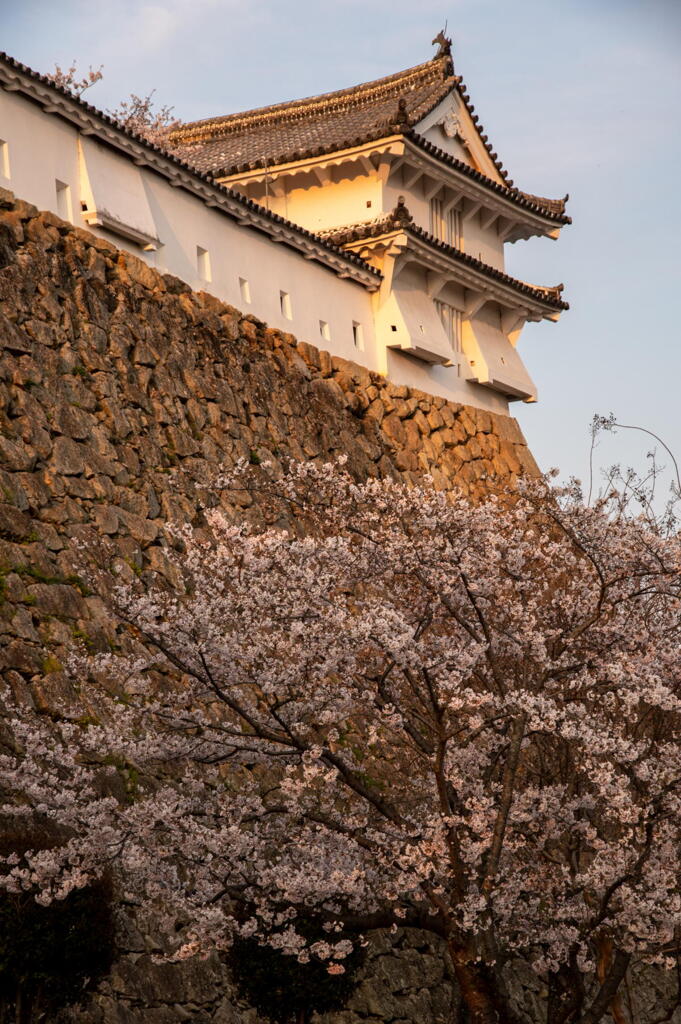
[(400, 172)]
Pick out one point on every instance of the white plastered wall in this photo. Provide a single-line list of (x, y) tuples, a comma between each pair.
[(484, 244), (349, 196), (44, 149), (41, 151), (408, 320), (414, 198), (237, 253), (112, 190), (484, 372)]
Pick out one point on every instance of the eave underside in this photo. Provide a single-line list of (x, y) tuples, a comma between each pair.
[(406, 161)]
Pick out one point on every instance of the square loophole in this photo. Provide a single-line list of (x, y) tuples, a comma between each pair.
[(4, 159)]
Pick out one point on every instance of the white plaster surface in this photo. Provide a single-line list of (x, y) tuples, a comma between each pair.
[(43, 149)]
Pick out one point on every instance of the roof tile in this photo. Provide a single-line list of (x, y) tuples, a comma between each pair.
[(287, 131)]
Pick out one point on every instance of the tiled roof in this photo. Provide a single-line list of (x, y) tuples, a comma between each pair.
[(400, 219), (319, 125), (176, 159), (553, 209), (552, 206)]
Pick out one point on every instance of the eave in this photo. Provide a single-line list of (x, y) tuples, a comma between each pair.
[(369, 154), (495, 284), (521, 217), (446, 264), (516, 215)]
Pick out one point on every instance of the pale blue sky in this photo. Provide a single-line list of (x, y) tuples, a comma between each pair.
[(579, 96)]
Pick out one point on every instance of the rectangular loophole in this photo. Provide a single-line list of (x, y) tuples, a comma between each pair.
[(4, 159), (324, 330), (203, 263), (357, 335), (245, 290), (285, 303), (64, 207)]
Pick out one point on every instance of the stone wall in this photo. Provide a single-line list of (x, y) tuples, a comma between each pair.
[(122, 393), (403, 981)]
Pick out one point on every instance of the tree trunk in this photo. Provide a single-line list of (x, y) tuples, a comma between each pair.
[(605, 963), (566, 995), (480, 993), (612, 979)]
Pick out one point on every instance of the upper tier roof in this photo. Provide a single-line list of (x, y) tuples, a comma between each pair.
[(333, 120), (318, 125)]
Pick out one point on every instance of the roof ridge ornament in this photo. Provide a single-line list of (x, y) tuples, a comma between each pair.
[(444, 44), (401, 119), (401, 214)]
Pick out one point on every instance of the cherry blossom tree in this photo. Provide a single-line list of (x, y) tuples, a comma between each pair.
[(138, 113), (397, 711), (68, 79), (635, 487)]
